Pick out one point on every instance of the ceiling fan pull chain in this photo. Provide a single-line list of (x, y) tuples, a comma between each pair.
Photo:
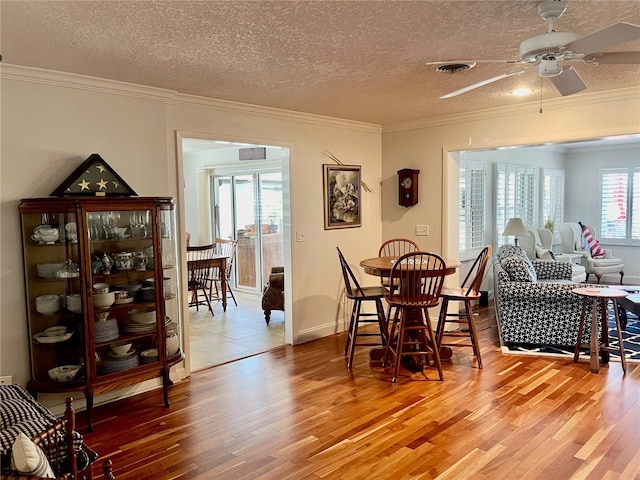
[(540, 95)]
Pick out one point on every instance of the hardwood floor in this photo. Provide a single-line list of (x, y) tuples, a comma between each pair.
[(298, 413)]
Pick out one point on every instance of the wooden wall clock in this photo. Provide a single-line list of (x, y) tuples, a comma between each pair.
[(408, 187)]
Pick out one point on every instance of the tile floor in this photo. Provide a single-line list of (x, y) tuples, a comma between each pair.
[(237, 333)]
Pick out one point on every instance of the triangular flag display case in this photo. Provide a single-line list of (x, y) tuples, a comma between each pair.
[(94, 178)]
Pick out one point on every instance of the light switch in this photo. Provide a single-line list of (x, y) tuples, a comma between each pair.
[(422, 230), (300, 237)]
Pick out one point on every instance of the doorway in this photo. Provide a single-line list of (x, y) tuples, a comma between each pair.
[(226, 196)]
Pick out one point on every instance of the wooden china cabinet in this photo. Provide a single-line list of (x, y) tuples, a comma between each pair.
[(128, 244)]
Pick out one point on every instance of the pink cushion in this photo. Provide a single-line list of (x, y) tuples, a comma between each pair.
[(596, 250)]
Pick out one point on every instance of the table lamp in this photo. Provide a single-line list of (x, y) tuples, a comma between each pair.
[(516, 228)]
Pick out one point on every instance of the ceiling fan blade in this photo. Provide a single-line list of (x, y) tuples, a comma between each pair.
[(619, 58), (605, 38), (483, 83), (470, 62), (568, 82)]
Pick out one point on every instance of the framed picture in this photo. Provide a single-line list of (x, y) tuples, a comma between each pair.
[(342, 196)]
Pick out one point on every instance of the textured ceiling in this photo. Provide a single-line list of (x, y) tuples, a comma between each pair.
[(359, 60)]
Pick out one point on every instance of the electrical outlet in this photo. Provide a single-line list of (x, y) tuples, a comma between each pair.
[(422, 230), (6, 380)]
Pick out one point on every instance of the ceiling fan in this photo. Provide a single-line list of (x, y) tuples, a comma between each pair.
[(553, 51)]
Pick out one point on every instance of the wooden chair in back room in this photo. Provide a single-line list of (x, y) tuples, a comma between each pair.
[(199, 268), (228, 249)]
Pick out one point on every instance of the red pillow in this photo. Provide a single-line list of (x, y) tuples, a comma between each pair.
[(596, 250)]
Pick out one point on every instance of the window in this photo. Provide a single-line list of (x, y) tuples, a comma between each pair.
[(553, 201), (472, 221), (620, 217), (516, 196)]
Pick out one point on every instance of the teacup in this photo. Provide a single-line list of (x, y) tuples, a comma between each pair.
[(101, 288), (121, 294), (102, 316)]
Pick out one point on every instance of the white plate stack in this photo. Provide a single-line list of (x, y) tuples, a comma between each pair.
[(117, 363), (74, 303), (106, 331), (149, 356), (47, 304)]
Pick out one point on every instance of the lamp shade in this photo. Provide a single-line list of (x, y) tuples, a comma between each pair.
[(515, 227)]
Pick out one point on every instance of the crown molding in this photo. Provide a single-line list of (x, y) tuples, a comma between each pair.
[(573, 101), (171, 97), (227, 106), (81, 82)]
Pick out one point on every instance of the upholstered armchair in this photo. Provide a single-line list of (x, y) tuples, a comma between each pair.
[(273, 295), (538, 244), (572, 242)]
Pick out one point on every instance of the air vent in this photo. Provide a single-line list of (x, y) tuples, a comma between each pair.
[(452, 68)]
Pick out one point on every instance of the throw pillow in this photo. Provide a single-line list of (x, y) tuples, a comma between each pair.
[(29, 459), (519, 269), (544, 253), (593, 245)]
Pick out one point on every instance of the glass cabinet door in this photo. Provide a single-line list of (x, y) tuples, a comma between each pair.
[(168, 249), (54, 297), (124, 309)]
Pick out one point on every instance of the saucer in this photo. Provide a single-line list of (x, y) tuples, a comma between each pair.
[(123, 301)]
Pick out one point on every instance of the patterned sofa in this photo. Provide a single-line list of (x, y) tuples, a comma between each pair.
[(534, 303)]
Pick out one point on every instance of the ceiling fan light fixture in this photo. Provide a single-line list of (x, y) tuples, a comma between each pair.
[(551, 67), (521, 92)]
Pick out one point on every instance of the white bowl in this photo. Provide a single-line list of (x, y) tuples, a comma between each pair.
[(173, 345), (47, 304), (103, 300), (121, 349), (64, 373), (143, 317), (56, 331)]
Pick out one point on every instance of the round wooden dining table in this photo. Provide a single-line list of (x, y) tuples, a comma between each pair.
[(381, 267)]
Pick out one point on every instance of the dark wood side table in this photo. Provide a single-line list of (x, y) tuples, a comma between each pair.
[(603, 295)]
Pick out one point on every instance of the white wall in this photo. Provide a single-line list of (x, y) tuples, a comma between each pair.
[(51, 122), (426, 145)]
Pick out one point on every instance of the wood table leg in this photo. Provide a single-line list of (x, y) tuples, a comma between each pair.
[(583, 314), (623, 360), (594, 359), (223, 285)]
